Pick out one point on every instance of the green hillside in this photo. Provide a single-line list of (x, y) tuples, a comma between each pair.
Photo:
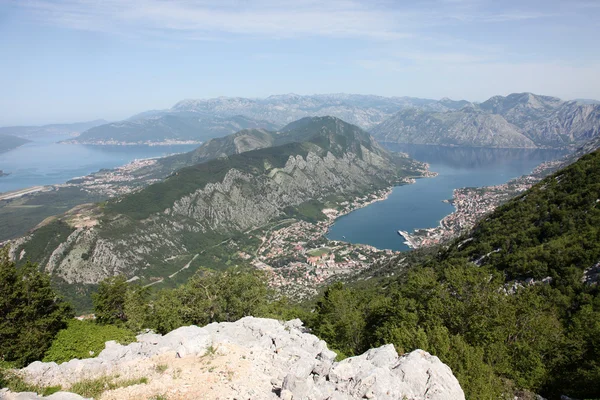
[(513, 306)]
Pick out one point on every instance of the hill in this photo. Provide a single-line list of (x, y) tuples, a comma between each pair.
[(185, 219), (9, 142), (516, 120), (518, 297), (183, 127), (39, 132)]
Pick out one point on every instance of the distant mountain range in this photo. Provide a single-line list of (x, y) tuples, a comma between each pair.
[(36, 132), (311, 164), (201, 120), (169, 128), (519, 120)]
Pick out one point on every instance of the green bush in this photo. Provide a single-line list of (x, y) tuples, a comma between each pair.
[(84, 339)]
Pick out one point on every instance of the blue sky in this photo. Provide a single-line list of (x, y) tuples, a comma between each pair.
[(71, 60)]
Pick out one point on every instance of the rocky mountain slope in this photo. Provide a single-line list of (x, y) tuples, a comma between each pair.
[(517, 120), (152, 233), (466, 127), (183, 127), (251, 358)]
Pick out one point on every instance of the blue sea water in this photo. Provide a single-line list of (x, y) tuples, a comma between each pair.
[(45, 162), (421, 205)]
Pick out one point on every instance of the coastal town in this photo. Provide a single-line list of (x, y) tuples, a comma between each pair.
[(299, 259), (117, 181), (471, 205)]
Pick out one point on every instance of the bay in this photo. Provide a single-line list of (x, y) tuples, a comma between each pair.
[(421, 205), (46, 162)]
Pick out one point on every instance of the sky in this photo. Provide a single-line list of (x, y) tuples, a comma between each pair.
[(76, 60)]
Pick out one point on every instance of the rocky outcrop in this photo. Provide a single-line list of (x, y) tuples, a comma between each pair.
[(253, 358)]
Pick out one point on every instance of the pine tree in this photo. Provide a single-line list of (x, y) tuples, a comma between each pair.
[(31, 313)]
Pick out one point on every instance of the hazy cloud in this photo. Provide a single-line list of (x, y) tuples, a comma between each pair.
[(202, 19)]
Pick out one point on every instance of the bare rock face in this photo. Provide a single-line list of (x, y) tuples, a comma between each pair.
[(251, 358)]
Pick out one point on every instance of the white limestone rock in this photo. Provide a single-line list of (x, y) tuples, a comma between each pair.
[(264, 359)]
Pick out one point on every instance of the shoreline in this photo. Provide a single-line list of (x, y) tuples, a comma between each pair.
[(129, 167), (147, 143)]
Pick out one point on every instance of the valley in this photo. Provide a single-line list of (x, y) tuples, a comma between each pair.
[(149, 230), (307, 200), (270, 204)]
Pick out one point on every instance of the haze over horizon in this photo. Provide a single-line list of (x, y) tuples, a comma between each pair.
[(75, 60)]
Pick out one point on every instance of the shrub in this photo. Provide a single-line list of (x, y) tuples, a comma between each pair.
[(84, 339)]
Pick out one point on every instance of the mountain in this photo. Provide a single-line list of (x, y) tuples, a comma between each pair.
[(364, 111), (465, 127), (39, 132), (516, 120), (9, 142), (183, 127), (150, 233), (239, 142), (587, 101)]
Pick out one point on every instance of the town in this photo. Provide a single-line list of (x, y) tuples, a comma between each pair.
[(471, 205), (299, 259)]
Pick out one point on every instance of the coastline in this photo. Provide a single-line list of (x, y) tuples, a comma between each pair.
[(471, 204), (144, 143), (119, 175)]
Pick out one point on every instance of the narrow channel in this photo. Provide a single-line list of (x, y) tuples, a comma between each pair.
[(422, 205)]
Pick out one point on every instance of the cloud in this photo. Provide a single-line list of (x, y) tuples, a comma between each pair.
[(187, 19), (210, 19)]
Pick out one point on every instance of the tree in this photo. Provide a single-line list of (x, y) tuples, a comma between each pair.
[(31, 313), (109, 301), (224, 296)]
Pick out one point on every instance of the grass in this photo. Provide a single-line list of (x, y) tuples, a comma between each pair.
[(319, 252), (12, 381), (161, 368), (211, 350), (95, 387)]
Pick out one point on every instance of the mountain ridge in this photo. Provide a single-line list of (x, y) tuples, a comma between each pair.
[(520, 119), (202, 205)]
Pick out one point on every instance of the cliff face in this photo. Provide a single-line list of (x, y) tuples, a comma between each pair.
[(253, 358), (517, 120), (467, 127), (138, 234)]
